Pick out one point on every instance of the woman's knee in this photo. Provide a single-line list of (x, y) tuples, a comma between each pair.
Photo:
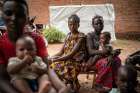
[(6, 87)]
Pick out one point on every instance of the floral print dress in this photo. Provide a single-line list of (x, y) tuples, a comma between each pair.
[(69, 69)]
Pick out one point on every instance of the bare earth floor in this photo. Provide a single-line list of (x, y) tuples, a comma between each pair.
[(128, 47)]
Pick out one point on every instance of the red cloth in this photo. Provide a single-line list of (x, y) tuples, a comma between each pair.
[(7, 48), (104, 72)]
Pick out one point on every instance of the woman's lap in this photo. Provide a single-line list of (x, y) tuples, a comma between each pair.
[(106, 72), (5, 85), (66, 70)]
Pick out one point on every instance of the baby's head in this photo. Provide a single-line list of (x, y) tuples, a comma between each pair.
[(105, 38), (127, 79), (25, 46)]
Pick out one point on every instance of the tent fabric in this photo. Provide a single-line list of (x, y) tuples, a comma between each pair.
[(59, 17)]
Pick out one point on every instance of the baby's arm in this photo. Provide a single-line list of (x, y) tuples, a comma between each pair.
[(39, 66), (15, 64)]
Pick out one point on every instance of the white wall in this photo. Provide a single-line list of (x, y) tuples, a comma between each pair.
[(59, 17)]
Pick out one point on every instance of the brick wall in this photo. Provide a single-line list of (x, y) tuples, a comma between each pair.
[(127, 12), (127, 18), (39, 8)]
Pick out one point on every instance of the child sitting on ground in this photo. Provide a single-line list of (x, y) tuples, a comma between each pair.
[(27, 70), (127, 80)]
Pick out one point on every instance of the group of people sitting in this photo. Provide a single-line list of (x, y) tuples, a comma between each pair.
[(26, 68)]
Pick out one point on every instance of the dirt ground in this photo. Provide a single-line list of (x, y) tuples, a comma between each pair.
[(128, 47)]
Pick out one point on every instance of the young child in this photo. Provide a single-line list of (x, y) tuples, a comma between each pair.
[(127, 80), (27, 70), (105, 64)]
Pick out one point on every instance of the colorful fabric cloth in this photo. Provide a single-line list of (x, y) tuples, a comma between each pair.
[(7, 48), (105, 73), (69, 69)]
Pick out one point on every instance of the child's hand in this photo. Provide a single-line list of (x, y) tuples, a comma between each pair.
[(28, 59), (34, 67)]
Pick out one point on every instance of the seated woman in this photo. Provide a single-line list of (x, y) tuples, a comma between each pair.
[(103, 46), (66, 62), (105, 65), (92, 39)]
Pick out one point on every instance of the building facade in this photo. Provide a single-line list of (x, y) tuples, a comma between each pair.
[(127, 23)]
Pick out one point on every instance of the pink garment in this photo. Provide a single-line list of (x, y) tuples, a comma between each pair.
[(104, 72)]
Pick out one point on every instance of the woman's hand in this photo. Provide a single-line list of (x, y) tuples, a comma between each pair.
[(52, 59), (49, 60)]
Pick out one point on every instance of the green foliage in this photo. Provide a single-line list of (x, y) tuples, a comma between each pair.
[(53, 35)]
